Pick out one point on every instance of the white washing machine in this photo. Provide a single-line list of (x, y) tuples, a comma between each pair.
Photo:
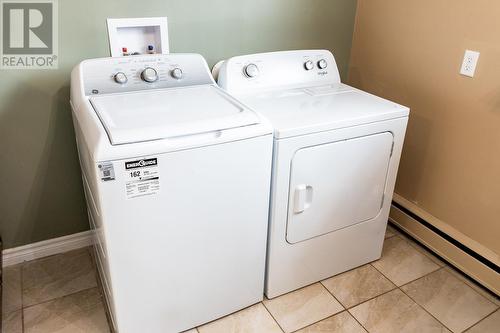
[(336, 155), (176, 176)]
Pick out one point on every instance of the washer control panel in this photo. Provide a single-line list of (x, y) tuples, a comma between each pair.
[(251, 70), (308, 65), (149, 74), (244, 74), (176, 73), (322, 64), (132, 73), (120, 78)]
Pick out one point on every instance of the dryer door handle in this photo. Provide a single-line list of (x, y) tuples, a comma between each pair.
[(302, 198)]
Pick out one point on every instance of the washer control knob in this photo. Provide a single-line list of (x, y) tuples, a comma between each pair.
[(308, 65), (322, 64), (176, 73), (251, 70), (149, 74), (120, 78)]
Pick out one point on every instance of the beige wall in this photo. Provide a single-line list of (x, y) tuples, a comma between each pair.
[(411, 52), (41, 195)]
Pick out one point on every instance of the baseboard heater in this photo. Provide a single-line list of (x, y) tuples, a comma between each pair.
[(467, 260)]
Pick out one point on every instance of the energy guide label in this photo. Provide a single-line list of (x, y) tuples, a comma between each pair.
[(142, 177)]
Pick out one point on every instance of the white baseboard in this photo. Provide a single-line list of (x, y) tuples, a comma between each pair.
[(46, 248)]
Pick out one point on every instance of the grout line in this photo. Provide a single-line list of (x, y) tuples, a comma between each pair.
[(419, 246), (482, 319), (336, 314), (430, 314), (471, 284), (444, 268), (399, 287), (335, 298), (23, 306), (489, 314), (59, 297), (276, 321), (408, 281), (368, 299), (474, 290), (414, 301), (425, 275), (328, 291), (356, 319), (371, 298), (346, 309), (393, 233)]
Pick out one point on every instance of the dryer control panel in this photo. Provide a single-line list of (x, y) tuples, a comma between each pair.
[(275, 70), (144, 72)]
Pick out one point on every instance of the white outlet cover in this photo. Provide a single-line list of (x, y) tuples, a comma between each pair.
[(469, 63)]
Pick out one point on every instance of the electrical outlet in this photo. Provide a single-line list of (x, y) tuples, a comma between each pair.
[(470, 62)]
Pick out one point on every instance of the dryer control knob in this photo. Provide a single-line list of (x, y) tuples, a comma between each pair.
[(251, 70), (176, 73), (149, 74), (322, 64), (308, 65), (120, 78)]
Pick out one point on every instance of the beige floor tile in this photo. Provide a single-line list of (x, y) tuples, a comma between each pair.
[(57, 276), (253, 319), (76, 313), (11, 295), (402, 263), (450, 300), (12, 322), (303, 307), (194, 330), (393, 228), (340, 323), (420, 248), (358, 285), (427, 253), (471, 283), (491, 324), (395, 312), (389, 232)]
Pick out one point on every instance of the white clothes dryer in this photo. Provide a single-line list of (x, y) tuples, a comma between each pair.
[(336, 155)]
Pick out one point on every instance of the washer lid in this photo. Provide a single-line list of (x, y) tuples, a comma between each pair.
[(159, 114), (300, 111)]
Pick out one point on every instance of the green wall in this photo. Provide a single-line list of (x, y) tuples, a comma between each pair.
[(41, 195)]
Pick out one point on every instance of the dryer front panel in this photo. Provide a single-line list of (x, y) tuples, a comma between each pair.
[(336, 185)]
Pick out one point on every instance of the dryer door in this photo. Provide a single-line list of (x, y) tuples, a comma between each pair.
[(335, 185)]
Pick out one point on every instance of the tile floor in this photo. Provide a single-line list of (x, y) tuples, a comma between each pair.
[(407, 290)]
